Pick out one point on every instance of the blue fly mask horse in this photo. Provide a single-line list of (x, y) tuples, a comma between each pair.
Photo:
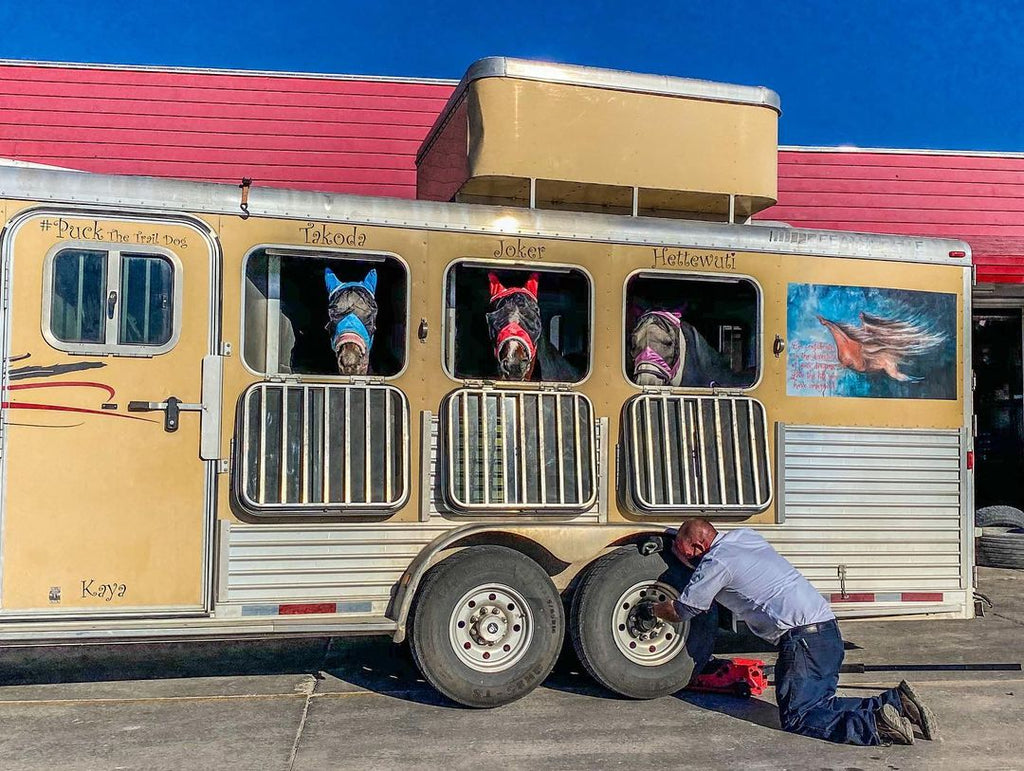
[(515, 327), (667, 351), (352, 309)]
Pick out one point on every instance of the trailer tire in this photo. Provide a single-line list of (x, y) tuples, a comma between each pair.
[(487, 626), (607, 643), (1001, 547), (999, 516)]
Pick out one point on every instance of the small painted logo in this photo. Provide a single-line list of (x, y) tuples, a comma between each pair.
[(54, 594)]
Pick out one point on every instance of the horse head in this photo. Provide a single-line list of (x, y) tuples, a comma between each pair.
[(352, 309), (658, 349), (514, 324)]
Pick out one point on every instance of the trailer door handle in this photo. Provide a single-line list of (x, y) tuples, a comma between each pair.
[(172, 407)]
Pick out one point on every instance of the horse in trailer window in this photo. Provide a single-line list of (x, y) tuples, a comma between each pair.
[(516, 329), (667, 351), (352, 309)]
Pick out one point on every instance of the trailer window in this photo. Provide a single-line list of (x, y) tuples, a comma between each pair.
[(517, 325), (698, 332), (108, 301), (324, 313)]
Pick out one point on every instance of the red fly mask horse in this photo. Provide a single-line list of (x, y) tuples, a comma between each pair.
[(667, 351), (515, 327), (352, 309)]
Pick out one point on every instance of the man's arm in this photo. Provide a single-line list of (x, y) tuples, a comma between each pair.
[(675, 611), (707, 581)]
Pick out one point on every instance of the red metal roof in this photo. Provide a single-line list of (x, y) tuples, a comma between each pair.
[(360, 135), (298, 131), (976, 197)]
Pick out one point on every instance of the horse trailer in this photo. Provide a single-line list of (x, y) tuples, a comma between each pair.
[(472, 421)]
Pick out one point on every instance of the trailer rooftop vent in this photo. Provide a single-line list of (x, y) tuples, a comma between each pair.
[(555, 136)]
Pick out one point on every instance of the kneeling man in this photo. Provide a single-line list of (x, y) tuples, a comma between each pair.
[(740, 570)]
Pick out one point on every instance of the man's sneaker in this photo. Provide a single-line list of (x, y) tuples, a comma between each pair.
[(893, 728), (915, 709)]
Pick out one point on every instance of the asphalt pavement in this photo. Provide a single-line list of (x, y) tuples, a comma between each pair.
[(358, 703)]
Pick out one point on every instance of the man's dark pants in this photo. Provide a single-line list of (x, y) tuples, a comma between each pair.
[(806, 678)]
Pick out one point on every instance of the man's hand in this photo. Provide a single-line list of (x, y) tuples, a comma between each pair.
[(666, 611), (644, 616)]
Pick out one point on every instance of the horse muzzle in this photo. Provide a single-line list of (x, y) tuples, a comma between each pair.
[(649, 364)]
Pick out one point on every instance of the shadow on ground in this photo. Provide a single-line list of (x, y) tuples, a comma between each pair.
[(152, 661)]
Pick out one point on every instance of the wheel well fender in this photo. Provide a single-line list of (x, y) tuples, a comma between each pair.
[(588, 544)]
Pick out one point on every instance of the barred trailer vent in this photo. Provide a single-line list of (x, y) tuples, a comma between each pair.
[(697, 454), (314, 448), (508, 450)]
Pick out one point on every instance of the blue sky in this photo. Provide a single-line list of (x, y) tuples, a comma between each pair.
[(915, 74)]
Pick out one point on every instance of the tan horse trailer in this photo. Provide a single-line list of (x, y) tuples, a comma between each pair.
[(181, 458)]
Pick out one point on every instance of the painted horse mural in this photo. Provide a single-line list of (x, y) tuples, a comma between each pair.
[(352, 309), (668, 351), (882, 345)]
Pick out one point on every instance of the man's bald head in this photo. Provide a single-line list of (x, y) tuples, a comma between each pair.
[(693, 540)]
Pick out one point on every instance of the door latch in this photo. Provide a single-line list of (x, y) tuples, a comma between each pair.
[(171, 408)]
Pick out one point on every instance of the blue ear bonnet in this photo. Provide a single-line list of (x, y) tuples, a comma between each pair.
[(369, 283), (352, 307)]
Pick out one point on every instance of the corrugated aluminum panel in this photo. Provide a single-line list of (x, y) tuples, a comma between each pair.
[(323, 447), (516, 450), (884, 503), (689, 454), (350, 563)]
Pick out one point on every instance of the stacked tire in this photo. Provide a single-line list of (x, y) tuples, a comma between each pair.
[(1001, 544)]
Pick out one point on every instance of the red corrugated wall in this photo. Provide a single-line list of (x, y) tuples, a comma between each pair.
[(319, 133), (975, 197), (360, 136)]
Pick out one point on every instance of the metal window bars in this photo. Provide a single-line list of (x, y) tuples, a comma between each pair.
[(337, 448), (697, 453), (518, 450)]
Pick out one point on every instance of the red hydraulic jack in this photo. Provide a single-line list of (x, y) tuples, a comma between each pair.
[(739, 677)]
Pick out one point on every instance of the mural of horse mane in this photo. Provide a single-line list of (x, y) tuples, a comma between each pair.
[(882, 345), (352, 309), (668, 351), (515, 327)]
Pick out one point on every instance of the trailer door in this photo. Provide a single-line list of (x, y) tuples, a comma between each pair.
[(110, 330)]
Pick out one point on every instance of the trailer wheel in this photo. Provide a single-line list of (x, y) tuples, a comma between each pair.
[(487, 626), (999, 516), (1001, 547), (613, 650)]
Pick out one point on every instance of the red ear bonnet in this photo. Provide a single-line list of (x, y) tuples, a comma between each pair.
[(496, 287), (531, 284)]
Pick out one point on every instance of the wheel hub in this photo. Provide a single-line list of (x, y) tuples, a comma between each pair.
[(491, 628), (647, 647)]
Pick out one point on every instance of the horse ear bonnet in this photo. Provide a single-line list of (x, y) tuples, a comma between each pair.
[(370, 282), (331, 281), (496, 286)]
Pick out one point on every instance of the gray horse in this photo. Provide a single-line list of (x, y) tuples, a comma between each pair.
[(668, 351)]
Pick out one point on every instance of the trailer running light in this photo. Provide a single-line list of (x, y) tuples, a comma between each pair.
[(958, 253), (970, 459)]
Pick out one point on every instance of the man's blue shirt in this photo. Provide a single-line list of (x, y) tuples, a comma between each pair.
[(744, 573)]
